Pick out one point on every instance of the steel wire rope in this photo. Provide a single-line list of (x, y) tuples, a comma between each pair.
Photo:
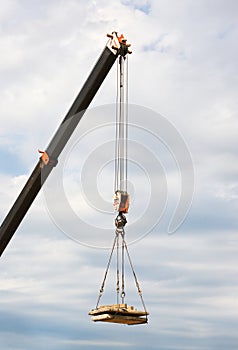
[(116, 155), (121, 124), (123, 294), (106, 272), (127, 116), (134, 274), (118, 271)]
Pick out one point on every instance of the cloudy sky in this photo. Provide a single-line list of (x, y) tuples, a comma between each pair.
[(183, 70)]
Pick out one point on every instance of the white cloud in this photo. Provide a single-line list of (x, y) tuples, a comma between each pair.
[(184, 65)]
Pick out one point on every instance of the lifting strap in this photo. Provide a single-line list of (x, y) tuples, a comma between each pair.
[(134, 274), (106, 272), (120, 233)]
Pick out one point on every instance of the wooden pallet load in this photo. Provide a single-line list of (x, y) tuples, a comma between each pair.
[(119, 313)]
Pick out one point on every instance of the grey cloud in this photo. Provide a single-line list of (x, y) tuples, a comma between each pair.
[(189, 280)]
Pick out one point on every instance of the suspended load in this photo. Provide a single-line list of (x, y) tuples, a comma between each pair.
[(120, 312)]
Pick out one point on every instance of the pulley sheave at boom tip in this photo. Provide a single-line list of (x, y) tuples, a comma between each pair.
[(116, 46)]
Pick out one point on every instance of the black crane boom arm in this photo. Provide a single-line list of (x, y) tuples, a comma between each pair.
[(116, 46)]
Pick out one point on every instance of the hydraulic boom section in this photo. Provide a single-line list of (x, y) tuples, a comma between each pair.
[(115, 47)]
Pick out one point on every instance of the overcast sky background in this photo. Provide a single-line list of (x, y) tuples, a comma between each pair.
[(183, 66)]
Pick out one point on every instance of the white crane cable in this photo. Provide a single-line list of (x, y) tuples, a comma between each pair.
[(121, 135), (127, 114), (116, 135)]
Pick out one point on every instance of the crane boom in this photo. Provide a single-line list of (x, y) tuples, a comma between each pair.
[(116, 46)]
